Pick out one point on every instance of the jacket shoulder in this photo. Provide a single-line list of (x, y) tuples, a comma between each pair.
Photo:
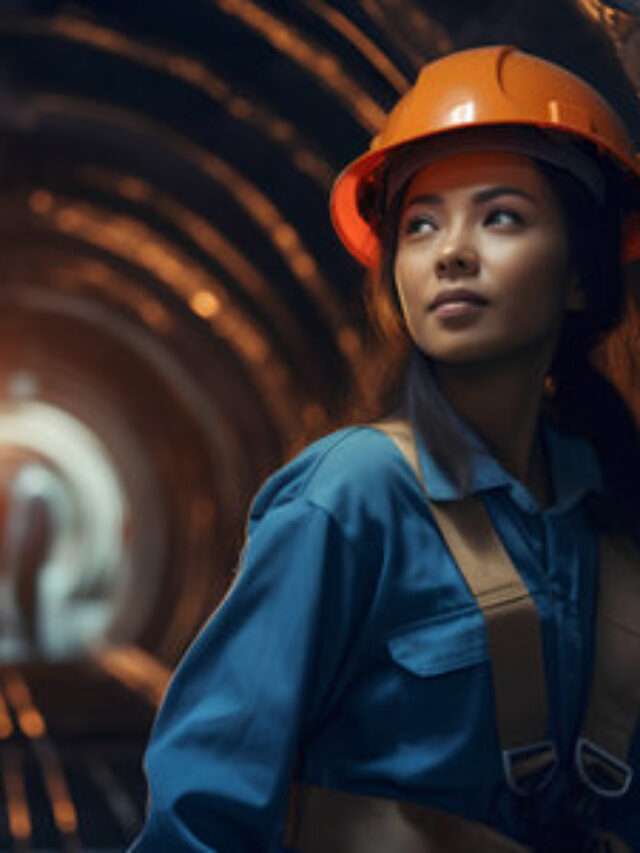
[(349, 471)]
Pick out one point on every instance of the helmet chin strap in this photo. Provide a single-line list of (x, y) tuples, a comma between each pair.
[(532, 142)]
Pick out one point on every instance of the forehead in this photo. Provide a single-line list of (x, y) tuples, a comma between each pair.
[(472, 169)]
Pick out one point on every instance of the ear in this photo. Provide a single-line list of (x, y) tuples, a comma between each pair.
[(576, 297)]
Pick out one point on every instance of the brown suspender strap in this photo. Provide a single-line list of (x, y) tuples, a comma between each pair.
[(324, 820), (330, 821), (515, 645), (614, 703), (512, 623)]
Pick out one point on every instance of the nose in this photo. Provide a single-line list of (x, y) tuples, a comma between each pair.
[(457, 262)]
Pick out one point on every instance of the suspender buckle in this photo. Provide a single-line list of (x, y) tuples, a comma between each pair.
[(601, 772), (529, 769)]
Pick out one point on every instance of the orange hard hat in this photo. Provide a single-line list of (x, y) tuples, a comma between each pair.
[(482, 87)]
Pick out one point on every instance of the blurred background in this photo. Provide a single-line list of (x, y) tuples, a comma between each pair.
[(176, 320)]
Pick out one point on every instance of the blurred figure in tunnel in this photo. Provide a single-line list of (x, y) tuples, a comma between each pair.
[(27, 534), (53, 603), (64, 562), (433, 643)]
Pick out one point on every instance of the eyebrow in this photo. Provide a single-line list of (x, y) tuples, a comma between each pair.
[(481, 197)]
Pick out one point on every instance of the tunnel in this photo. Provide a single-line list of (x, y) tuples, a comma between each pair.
[(178, 319)]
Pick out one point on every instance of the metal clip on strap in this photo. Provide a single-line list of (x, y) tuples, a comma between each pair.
[(614, 703), (529, 769), (600, 771)]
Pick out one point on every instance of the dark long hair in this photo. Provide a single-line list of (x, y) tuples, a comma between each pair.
[(581, 396)]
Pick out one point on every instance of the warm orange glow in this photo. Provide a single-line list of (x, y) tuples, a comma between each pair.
[(221, 250), (64, 811), (96, 272), (237, 329), (285, 236), (260, 209), (31, 723), (313, 58), (30, 720), (6, 726), (190, 71), (133, 188), (19, 822), (592, 8), (433, 38), (136, 669), (185, 67), (615, 21), (15, 796), (282, 130), (304, 265), (349, 341), (40, 201), (17, 691), (131, 238), (205, 304), (240, 108), (65, 816), (270, 375), (155, 315), (361, 42), (87, 272), (68, 219)]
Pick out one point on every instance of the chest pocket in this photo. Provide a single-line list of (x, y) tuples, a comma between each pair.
[(442, 644), (442, 696)]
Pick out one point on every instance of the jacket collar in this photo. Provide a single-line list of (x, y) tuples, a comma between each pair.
[(575, 471)]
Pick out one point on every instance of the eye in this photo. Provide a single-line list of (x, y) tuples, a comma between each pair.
[(419, 224), (504, 216)]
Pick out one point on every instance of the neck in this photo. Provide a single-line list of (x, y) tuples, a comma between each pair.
[(501, 401)]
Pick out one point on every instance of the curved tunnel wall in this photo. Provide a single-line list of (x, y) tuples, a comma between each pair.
[(170, 277)]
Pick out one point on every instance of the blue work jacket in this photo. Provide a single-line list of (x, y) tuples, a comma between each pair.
[(350, 653)]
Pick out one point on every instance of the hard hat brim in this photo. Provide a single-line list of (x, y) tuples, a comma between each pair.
[(497, 86), (357, 233)]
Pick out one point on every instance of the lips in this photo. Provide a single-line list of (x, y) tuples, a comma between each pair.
[(457, 295)]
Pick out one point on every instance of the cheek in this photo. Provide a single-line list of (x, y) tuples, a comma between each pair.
[(410, 277), (539, 276)]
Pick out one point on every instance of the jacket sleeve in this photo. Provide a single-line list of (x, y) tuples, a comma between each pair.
[(225, 741)]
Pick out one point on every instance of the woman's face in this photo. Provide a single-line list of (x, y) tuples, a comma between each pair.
[(482, 263)]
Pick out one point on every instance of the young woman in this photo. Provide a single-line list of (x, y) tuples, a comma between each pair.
[(432, 642)]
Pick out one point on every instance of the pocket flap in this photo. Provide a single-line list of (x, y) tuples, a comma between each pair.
[(441, 644)]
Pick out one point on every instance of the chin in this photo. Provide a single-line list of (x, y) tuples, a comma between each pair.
[(478, 354), (465, 355)]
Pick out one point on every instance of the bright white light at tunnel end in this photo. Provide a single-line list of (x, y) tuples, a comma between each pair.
[(63, 463)]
